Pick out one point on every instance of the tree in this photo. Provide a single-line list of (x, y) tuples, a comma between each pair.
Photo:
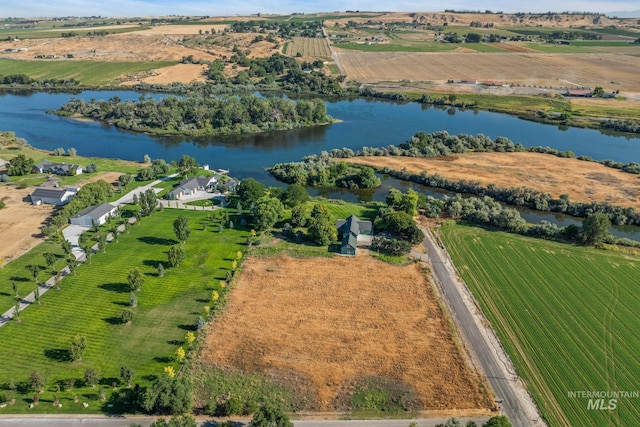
[(295, 195), (299, 216), (66, 246), (176, 421), (34, 269), (190, 338), (37, 381), (14, 287), (187, 165), (77, 348), (36, 294), (49, 258), (91, 377), (595, 228), (127, 374), (180, 354), (598, 92), (321, 228), (20, 165), (176, 255), (73, 267), (267, 211), (102, 242), (16, 311), (147, 159), (270, 416), (200, 323), (160, 270), (71, 152), (135, 279), (148, 201), (126, 315), (169, 396), (250, 191), (133, 300), (181, 228), (498, 421)]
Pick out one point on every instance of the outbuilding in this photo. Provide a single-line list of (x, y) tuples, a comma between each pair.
[(94, 215)]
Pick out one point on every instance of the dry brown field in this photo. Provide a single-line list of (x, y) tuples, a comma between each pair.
[(558, 69), (582, 181), (328, 322), (309, 47), (19, 222)]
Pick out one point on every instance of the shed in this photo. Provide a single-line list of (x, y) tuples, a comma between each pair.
[(52, 196)]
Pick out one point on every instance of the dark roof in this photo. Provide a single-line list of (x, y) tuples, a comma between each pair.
[(353, 225), (96, 212), (49, 193)]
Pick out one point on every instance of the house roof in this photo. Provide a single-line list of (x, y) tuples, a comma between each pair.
[(49, 193), (353, 225), (96, 212), (194, 183)]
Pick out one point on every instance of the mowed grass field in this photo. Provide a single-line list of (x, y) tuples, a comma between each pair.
[(308, 46), (86, 72), (90, 305), (568, 317)]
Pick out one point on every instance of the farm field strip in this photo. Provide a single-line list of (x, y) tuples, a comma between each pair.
[(565, 314), (309, 47)]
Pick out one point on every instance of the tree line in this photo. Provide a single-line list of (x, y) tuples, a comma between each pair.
[(195, 116)]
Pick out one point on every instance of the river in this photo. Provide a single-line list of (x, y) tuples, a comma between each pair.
[(363, 122)]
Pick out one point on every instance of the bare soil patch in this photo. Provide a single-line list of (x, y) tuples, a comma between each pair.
[(582, 181), (334, 321), (19, 222)]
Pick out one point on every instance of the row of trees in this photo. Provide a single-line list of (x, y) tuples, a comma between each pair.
[(24, 80), (197, 116)]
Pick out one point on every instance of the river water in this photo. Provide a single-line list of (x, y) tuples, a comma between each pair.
[(363, 122)]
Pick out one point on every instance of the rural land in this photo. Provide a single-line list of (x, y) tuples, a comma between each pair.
[(389, 281)]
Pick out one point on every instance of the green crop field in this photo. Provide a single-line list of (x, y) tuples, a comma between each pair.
[(86, 72), (307, 46), (90, 304), (48, 33), (568, 316)]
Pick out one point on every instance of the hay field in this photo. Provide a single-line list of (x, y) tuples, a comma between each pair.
[(328, 322), (309, 47), (582, 181), (512, 67)]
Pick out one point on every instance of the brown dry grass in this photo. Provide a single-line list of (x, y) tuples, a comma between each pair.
[(512, 67), (335, 320), (19, 222), (582, 181)]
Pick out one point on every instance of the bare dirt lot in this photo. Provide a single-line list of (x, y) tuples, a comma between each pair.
[(582, 181), (333, 321), (557, 69), (19, 222)]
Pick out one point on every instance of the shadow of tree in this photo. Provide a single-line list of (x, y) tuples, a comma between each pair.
[(116, 287), (163, 359), (58, 354), (152, 240), (113, 320), (191, 328)]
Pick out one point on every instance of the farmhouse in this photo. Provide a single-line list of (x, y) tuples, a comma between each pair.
[(94, 215), (52, 196), (188, 187), (351, 231), (46, 166)]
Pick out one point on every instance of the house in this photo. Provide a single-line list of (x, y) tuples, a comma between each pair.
[(188, 187), (52, 196), (579, 93), (94, 215), (46, 166), (351, 231), (3, 163)]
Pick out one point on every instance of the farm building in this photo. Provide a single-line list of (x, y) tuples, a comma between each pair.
[(580, 93), (351, 231), (94, 214), (52, 196), (46, 166), (191, 186)]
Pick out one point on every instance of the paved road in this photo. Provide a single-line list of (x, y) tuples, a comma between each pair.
[(71, 421), (485, 346)]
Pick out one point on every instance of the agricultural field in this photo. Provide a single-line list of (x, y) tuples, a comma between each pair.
[(90, 304), (86, 72), (566, 315), (583, 181), (557, 70), (309, 47), (321, 321)]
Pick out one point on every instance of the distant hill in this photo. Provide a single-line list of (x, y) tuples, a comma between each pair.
[(626, 14)]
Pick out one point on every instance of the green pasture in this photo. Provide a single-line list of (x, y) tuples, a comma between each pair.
[(90, 305), (86, 72), (567, 316)]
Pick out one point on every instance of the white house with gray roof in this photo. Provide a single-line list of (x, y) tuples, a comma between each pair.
[(188, 187), (94, 215), (52, 196)]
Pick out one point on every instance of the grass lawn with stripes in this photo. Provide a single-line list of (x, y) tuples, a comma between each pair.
[(567, 316), (90, 305)]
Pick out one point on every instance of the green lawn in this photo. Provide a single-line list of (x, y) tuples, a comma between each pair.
[(86, 72), (568, 317), (90, 304)]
